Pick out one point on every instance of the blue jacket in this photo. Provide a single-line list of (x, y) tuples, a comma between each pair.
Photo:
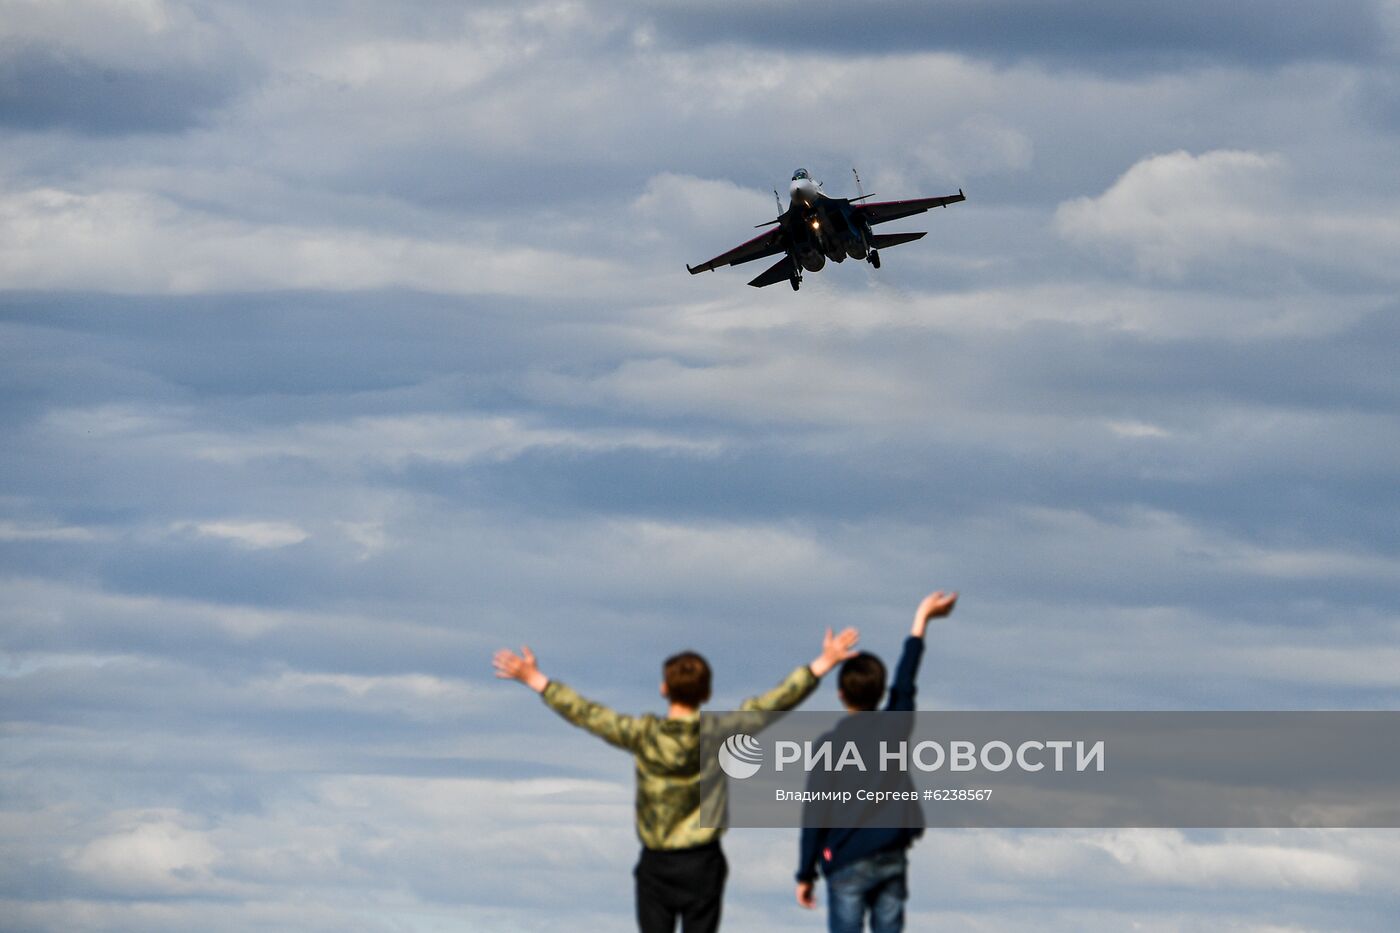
[(834, 848)]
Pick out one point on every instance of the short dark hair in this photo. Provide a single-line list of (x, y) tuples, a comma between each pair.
[(687, 678), (862, 681)]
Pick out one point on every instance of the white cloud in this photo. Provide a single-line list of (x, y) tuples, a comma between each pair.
[(137, 242), (1167, 857), (1134, 541), (399, 439), (421, 696), (1136, 429), (30, 531), (1374, 665), (56, 607), (1232, 212), (104, 421), (370, 537), (157, 855), (393, 440), (669, 560), (404, 69), (250, 534), (675, 553), (24, 664), (103, 26), (712, 206), (755, 390), (981, 144)]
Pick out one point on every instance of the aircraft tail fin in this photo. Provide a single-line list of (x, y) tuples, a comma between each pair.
[(780, 271), (884, 240)]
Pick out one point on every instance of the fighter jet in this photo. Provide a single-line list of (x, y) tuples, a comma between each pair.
[(816, 228)]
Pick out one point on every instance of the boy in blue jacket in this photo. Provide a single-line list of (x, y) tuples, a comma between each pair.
[(866, 868)]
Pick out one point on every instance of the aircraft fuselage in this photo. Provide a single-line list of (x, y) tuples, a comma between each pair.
[(815, 228), (822, 228)]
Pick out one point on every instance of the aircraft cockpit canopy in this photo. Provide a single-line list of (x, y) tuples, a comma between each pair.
[(800, 174)]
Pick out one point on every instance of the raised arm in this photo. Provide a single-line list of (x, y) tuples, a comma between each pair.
[(612, 727), (903, 687), (799, 685)]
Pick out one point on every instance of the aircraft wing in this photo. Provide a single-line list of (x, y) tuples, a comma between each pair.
[(881, 211), (766, 243)]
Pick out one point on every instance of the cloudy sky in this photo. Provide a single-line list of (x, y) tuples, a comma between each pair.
[(344, 343)]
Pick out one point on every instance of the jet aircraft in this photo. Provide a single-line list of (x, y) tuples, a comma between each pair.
[(816, 228)]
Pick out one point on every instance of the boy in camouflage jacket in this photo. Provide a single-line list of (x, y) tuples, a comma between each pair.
[(682, 869)]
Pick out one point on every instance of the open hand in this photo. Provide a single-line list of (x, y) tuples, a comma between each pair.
[(835, 649), (935, 605), (521, 667)]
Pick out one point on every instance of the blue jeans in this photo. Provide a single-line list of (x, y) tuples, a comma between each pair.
[(876, 884)]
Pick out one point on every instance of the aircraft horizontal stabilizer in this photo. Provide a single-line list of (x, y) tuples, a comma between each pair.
[(883, 240), (780, 271)]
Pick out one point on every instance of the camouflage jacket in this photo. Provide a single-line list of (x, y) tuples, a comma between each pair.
[(667, 756)]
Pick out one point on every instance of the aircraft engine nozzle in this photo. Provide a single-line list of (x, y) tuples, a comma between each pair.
[(854, 244)]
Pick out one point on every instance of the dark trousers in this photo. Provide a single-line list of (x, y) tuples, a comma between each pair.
[(684, 884)]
